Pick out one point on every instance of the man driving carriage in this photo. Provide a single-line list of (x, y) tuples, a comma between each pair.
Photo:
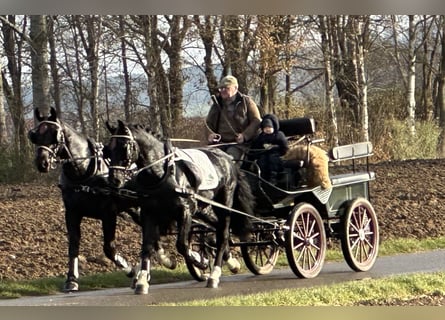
[(233, 119)]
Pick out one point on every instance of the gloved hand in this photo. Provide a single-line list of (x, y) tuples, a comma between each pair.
[(239, 138), (214, 138)]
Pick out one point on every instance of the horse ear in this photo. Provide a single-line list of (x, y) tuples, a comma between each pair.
[(109, 127), (37, 115), (32, 136), (121, 124), (106, 151), (53, 114)]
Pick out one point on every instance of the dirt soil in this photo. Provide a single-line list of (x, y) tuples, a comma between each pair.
[(406, 195)]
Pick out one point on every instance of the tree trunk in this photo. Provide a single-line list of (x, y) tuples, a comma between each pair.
[(3, 132), (179, 26), (326, 46), (92, 26), (39, 62), (127, 81), (13, 93), (207, 33), (411, 91), (441, 92), (54, 65), (362, 83)]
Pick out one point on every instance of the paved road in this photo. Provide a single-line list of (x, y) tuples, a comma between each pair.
[(239, 284)]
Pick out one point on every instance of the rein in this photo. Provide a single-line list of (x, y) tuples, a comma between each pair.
[(168, 156)]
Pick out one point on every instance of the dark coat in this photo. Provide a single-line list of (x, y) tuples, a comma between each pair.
[(270, 143), (246, 118), (268, 148)]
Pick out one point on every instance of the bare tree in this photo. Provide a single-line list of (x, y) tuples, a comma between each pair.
[(3, 136), (127, 81), (207, 30), (53, 62), (13, 46), (429, 53), (89, 30), (39, 62), (238, 41), (172, 45), (441, 90), (328, 54)]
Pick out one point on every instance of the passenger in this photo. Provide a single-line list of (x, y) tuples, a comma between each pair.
[(268, 148), (233, 118)]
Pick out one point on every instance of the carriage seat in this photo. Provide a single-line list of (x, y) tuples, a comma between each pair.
[(297, 126), (351, 151)]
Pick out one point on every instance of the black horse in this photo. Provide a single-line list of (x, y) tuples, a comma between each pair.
[(173, 186), (84, 186)]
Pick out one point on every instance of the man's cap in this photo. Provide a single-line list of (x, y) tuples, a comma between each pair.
[(228, 81), (266, 123)]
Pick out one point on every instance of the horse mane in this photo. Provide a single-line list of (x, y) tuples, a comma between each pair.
[(144, 128)]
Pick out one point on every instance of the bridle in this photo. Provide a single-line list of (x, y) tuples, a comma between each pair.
[(132, 148), (54, 149)]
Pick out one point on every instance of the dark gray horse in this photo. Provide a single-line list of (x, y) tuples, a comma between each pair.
[(174, 185), (85, 188)]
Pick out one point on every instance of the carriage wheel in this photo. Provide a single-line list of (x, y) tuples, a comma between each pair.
[(260, 258), (203, 250), (305, 241), (360, 239)]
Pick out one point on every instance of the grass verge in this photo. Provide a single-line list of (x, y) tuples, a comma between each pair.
[(368, 292)]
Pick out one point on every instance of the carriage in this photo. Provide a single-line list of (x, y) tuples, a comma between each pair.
[(298, 219), (288, 216)]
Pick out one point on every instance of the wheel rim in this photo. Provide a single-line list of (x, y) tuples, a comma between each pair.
[(260, 259), (361, 239), (306, 243)]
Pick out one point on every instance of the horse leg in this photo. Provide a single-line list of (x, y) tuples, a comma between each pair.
[(168, 262), (207, 215), (222, 245), (150, 237), (73, 228), (109, 233), (182, 241), (232, 263)]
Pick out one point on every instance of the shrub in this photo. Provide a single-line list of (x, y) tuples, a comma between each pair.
[(402, 145)]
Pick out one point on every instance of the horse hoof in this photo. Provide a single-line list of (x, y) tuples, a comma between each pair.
[(132, 273), (71, 286), (141, 289), (141, 284), (174, 263), (234, 265), (212, 283), (133, 283)]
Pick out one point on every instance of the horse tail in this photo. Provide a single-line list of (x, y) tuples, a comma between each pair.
[(244, 201)]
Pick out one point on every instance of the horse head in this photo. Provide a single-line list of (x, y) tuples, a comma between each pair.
[(48, 137), (122, 151)]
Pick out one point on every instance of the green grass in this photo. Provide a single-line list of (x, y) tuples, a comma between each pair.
[(117, 279), (45, 286), (364, 292)]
